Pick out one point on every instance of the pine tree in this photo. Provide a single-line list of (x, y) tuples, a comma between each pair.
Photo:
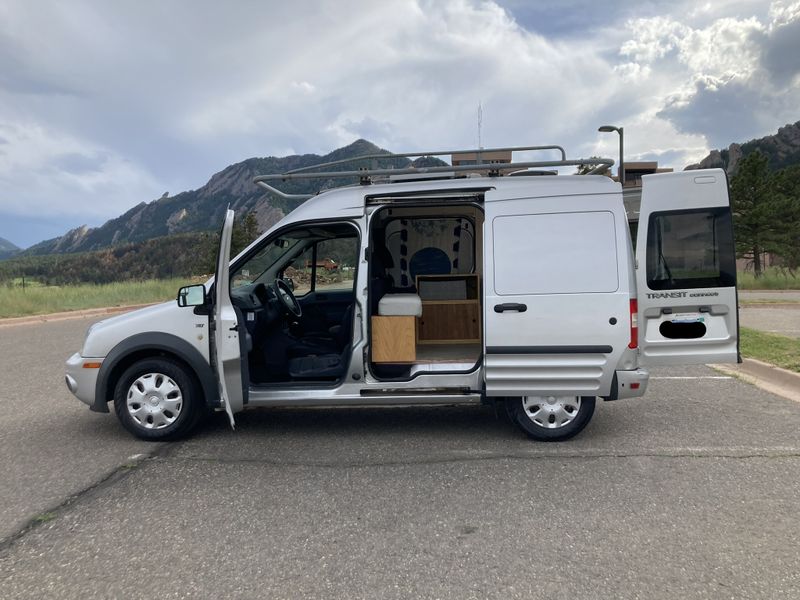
[(765, 218)]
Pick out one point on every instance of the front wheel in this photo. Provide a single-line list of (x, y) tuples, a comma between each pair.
[(158, 399), (551, 418)]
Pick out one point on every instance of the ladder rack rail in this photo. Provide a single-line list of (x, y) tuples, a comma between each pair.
[(365, 175)]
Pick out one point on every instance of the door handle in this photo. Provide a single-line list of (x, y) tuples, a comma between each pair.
[(512, 306)]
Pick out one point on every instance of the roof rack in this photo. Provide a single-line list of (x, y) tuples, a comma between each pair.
[(365, 175)]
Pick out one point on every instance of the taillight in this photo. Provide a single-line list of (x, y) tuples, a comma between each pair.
[(634, 323)]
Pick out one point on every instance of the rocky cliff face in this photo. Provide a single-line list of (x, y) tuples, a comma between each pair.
[(781, 149), (202, 209)]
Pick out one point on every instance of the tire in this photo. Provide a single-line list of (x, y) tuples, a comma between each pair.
[(158, 399), (551, 418)]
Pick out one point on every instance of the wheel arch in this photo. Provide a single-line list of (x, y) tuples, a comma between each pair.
[(152, 345)]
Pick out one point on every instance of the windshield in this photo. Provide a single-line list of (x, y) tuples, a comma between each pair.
[(256, 268)]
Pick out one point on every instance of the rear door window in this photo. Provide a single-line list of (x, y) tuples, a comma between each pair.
[(690, 249)]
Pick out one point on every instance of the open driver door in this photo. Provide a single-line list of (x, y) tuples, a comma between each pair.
[(228, 329)]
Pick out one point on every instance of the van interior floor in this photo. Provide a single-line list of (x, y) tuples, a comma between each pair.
[(444, 353)]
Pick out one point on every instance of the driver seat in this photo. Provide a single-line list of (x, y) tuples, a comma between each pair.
[(339, 336), (323, 366)]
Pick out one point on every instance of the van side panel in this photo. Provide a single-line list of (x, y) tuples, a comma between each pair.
[(557, 294)]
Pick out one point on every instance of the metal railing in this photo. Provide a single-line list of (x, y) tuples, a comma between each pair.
[(366, 175)]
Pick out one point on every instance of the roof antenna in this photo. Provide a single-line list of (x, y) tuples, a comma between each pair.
[(480, 123)]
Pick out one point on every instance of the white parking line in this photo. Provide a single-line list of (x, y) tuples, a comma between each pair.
[(695, 377)]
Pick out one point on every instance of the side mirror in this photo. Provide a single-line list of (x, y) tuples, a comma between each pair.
[(192, 295)]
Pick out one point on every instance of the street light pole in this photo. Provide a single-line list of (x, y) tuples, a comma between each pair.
[(621, 167)]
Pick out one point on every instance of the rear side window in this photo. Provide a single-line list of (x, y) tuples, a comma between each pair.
[(690, 249), (557, 253)]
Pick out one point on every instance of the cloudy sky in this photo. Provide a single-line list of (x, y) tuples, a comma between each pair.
[(107, 104)]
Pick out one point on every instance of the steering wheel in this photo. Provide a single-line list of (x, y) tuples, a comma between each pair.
[(285, 295)]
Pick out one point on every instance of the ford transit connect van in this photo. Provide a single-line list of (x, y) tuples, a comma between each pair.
[(520, 289)]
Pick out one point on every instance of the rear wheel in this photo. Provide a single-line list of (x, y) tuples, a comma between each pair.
[(158, 399), (551, 418)]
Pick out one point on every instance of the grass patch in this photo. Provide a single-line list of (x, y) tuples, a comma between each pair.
[(38, 300), (771, 279), (767, 301), (771, 348), (44, 517)]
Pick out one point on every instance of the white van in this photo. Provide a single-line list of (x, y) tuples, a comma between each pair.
[(446, 289)]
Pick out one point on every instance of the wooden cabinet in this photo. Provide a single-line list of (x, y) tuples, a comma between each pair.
[(448, 322), (451, 309), (393, 340)]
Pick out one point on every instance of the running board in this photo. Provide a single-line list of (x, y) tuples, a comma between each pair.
[(377, 398)]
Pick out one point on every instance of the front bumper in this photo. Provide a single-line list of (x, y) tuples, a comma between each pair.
[(82, 381)]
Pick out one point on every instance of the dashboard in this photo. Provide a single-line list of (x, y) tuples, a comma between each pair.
[(252, 296), (258, 302)]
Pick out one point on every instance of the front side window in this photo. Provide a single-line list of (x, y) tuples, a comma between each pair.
[(300, 271), (326, 265), (256, 268), (315, 258), (690, 249)]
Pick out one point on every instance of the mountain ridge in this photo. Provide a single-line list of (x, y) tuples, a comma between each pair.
[(8, 249), (202, 209), (782, 149)]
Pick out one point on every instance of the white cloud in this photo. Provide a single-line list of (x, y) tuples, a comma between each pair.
[(632, 71), (109, 104), (417, 82), (725, 76), (726, 48), (46, 172), (781, 13), (654, 38)]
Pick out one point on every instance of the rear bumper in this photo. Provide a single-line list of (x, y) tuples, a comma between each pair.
[(628, 384), (81, 382)]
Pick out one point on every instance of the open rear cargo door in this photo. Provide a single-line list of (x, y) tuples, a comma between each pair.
[(686, 270)]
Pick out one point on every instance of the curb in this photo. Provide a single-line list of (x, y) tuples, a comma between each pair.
[(768, 377), (72, 314)]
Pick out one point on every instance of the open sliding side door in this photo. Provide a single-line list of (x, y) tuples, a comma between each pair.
[(227, 326), (686, 270)]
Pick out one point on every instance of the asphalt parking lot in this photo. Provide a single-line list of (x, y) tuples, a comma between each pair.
[(689, 492), (783, 320), (779, 314)]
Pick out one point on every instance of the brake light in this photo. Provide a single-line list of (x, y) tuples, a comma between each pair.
[(634, 323)]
